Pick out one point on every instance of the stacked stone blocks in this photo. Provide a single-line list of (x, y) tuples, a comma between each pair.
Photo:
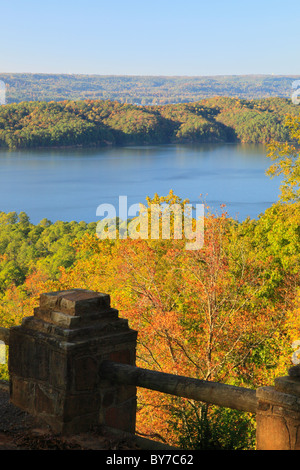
[(278, 414), (55, 360)]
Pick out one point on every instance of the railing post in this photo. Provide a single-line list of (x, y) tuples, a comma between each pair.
[(55, 358), (278, 414)]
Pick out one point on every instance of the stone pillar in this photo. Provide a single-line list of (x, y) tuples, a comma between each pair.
[(278, 414), (55, 358)]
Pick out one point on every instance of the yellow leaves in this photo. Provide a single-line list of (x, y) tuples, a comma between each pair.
[(287, 161), (12, 306), (88, 242), (292, 321), (171, 198)]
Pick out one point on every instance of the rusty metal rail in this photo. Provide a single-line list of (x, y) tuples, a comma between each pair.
[(224, 395)]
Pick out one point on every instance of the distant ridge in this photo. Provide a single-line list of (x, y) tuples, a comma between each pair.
[(143, 90)]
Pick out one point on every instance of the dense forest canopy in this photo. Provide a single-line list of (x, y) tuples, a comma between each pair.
[(105, 122), (144, 90)]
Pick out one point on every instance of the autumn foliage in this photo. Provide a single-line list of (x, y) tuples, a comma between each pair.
[(227, 312)]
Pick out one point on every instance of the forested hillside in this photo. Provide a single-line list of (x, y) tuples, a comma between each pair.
[(96, 122)]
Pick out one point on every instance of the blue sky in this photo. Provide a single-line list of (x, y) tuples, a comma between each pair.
[(157, 37)]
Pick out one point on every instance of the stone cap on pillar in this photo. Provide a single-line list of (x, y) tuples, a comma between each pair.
[(75, 301), (289, 384), (75, 312)]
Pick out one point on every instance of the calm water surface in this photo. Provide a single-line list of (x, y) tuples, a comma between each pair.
[(70, 184)]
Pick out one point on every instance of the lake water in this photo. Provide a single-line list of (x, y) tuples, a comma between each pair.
[(68, 184)]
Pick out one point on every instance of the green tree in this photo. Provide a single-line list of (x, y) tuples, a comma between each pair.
[(286, 157)]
